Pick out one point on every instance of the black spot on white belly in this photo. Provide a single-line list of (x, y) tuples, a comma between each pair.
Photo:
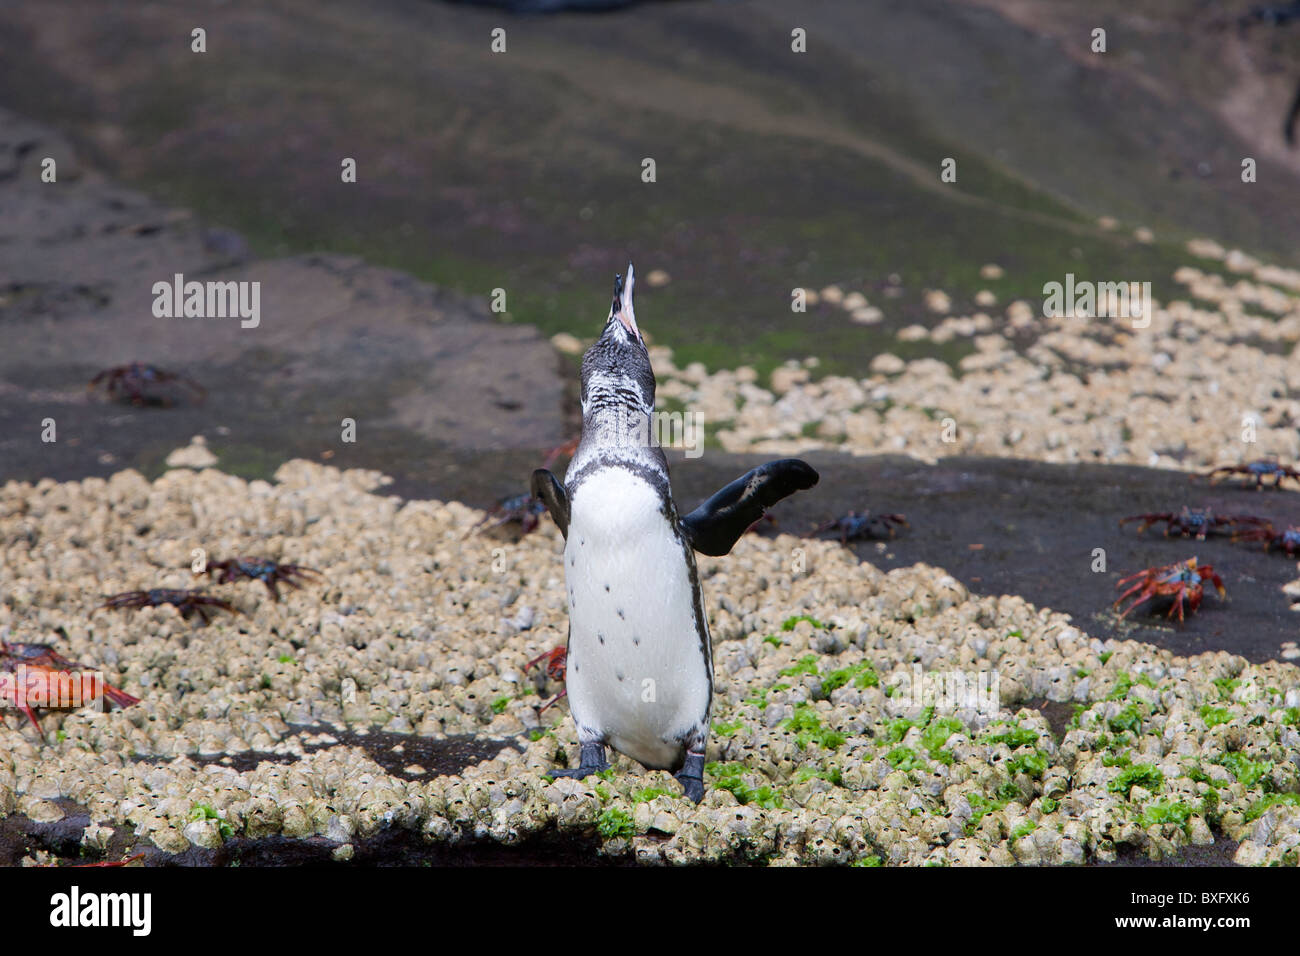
[(607, 588), (620, 614), (618, 675), (601, 638), (636, 641)]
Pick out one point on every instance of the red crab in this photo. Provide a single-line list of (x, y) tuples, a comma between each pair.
[(187, 602), (556, 659), (1192, 521), (525, 509), (854, 526), (1288, 540), (1183, 579), (35, 675), (1257, 470), (561, 451), (130, 381), (271, 573)]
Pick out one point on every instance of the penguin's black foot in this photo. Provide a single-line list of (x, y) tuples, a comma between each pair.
[(590, 760), (691, 776)]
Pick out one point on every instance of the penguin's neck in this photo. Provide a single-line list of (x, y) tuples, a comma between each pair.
[(618, 435)]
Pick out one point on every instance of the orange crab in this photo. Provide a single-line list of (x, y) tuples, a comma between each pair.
[(35, 675), (1182, 580)]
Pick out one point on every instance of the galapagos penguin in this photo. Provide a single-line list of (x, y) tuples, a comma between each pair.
[(639, 674)]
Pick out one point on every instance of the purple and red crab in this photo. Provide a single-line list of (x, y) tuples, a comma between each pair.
[(1288, 539), (35, 675), (1255, 471), (271, 573), (524, 509), (133, 381), (1188, 522), (187, 602), (1183, 580), (556, 660), (855, 527)]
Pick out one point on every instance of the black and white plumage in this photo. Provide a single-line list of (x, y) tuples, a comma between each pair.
[(639, 673)]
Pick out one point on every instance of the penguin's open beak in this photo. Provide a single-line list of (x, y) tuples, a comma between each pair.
[(622, 305)]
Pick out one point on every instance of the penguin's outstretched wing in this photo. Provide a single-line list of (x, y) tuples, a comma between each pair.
[(715, 526), (550, 492)]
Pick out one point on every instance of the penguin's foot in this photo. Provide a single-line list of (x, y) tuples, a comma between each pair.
[(691, 776), (590, 760)]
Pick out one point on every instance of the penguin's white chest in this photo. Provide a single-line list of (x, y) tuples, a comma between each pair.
[(639, 666)]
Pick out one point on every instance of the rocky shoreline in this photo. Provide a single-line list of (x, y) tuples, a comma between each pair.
[(817, 756)]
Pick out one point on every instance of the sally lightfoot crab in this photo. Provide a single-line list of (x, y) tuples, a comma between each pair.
[(1255, 471), (524, 509), (1180, 581), (134, 380), (1288, 539), (1188, 522), (271, 573), (556, 660), (187, 602), (35, 675), (854, 526)]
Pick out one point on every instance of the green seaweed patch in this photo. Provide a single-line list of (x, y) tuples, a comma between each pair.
[(831, 775), (1126, 681), (1226, 686), (806, 665), (1016, 736), (758, 698), (501, 703), (1266, 803), (202, 811), (872, 860), (1105, 657), (1292, 716), (649, 793), (1032, 765), (862, 674), (1248, 772), (981, 806), (808, 728), (790, 623), (1023, 830), (730, 777), (1213, 716), (613, 823), (1160, 812), (727, 729), (1145, 775), (773, 640), (1128, 720), (1049, 805), (937, 734), (903, 758)]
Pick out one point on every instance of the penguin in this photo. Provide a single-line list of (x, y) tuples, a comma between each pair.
[(639, 674)]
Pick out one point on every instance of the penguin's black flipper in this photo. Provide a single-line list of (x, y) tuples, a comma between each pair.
[(715, 526), (550, 492)]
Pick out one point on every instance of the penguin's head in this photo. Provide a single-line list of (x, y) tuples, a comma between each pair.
[(618, 365)]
